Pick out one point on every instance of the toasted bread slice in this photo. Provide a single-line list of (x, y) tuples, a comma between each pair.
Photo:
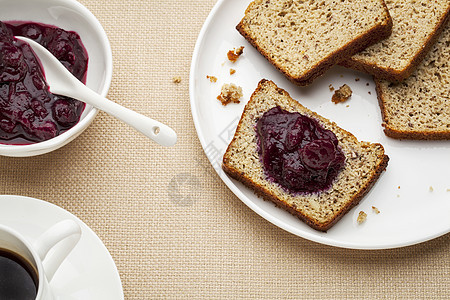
[(419, 107), (305, 38), (363, 164), (416, 26)]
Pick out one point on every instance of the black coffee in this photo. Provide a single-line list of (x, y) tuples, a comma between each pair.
[(18, 279)]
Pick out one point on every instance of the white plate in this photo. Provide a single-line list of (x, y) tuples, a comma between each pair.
[(413, 195), (69, 15), (88, 272)]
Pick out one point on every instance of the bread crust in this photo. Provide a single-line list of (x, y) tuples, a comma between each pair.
[(374, 35), (393, 75), (266, 194)]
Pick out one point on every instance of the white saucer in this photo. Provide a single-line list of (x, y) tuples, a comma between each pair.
[(88, 272)]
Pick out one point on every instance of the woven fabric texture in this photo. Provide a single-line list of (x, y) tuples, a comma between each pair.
[(174, 230)]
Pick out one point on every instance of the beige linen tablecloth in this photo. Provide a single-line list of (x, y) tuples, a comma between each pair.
[(171, 225)]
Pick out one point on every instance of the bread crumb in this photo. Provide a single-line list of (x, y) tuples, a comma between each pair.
[(398, 187), (356, 79), (234, 54), (375, 210), (331, 87), (230, 93), (176, 79), (431, 188), (347, 105), (370, 93), (367, 84), (211, 78), (342, 94), (362, 216), (232, 71)]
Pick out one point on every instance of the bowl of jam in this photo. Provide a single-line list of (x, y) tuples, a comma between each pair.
[(34, 121)]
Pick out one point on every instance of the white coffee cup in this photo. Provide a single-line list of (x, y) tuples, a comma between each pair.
[(46, 254)]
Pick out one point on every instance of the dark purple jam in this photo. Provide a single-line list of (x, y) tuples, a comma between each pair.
[(29, 113), (297, 152)]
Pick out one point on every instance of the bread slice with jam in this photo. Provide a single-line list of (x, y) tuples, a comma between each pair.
[(363, 162)]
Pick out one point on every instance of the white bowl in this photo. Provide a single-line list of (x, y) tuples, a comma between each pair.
[(69, 15)]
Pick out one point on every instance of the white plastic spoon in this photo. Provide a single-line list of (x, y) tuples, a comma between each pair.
[(62, 82)]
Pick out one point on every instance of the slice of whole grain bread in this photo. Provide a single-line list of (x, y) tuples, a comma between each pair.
[(416, 26), (364, 163), (305, 38), (419, 107)]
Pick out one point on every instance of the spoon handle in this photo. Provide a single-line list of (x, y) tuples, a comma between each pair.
[(157, 131)]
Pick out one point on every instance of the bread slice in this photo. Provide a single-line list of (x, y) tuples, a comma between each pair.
[(304, 38), (364, 163), (419, 107), (417, 24)]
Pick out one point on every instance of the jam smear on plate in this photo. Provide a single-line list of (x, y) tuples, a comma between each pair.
[(297, 152), (29, 113)]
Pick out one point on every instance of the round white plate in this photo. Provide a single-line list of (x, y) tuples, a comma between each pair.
[(88, 272), (413, 195), (69, 15)]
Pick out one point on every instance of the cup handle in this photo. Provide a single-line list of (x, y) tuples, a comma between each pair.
[(68, 232)]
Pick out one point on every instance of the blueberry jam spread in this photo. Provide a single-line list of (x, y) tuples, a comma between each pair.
[(297, 152), (29, 113)]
